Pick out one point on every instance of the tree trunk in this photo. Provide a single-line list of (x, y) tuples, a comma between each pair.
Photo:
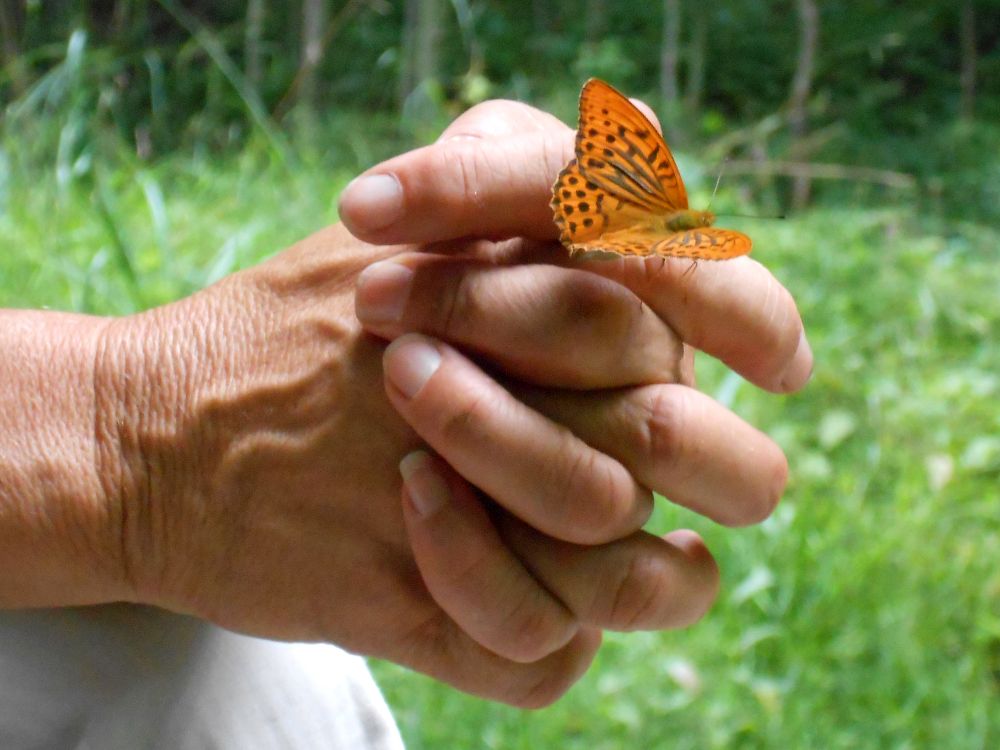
[(695, 84), (11, 26), (669, 52), (421, 45), (801, 87), (314, 13), (967, 80), (595, 22), (541, 13), (251, 43)]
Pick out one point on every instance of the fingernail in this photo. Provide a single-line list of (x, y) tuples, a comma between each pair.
[(801, 367), (409, 363), (374, 201), (427, 489), (382, 293)]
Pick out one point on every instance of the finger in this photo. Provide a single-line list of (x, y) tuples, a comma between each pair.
[(440, 648), (642, 582), (498, 187), (545, 324), (500, 117), (469, 571), (680, 443), (536, 469), (648, 112), (734, 310)]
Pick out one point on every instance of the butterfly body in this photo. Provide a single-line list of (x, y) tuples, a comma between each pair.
[(623, 193), (689, 219)]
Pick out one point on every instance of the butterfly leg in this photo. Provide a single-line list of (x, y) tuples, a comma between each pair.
[(691, 269)]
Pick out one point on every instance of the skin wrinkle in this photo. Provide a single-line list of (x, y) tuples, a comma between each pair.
[(660, 430), (468, 177), (456, 300), (105, 442), (642, 574), (465, 424), (533, 632), (597, 477)]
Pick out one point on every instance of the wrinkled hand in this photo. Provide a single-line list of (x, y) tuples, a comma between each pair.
[(558, 323), (260, 429)]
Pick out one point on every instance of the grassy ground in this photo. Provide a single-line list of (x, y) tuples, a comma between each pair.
[(865, 613)]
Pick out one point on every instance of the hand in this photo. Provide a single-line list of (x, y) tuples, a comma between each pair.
[(260, 487), (537, 322)]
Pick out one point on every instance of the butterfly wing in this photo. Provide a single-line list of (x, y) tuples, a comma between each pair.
[(609, 201), (618, 149), (584, 211), (705, 243)]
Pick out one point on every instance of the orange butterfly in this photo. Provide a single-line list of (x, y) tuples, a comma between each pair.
[(623, 194)]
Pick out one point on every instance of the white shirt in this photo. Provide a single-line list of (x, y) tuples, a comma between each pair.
[(124, 677)]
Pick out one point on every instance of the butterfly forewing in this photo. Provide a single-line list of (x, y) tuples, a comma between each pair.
[(620, 150), (579, 206)]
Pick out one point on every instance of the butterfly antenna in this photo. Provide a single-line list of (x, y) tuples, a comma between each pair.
[(751, 216), (722, 168)]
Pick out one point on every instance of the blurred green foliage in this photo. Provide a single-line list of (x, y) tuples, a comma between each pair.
[(162, 76)]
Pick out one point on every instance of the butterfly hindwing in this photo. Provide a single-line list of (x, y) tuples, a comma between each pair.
[(706, 243)]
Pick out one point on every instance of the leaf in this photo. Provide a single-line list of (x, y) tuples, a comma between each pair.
[(835, 428), (981, 453)]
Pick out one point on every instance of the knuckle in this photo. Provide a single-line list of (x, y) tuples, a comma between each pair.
[(661, 429), (495, 108), (634, 593), (601, 321), (594, 498), (455, 306), (467, 420), (593, 306), (468, 162), (532, 629)]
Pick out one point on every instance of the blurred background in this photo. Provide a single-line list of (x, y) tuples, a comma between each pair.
[(149, 148)]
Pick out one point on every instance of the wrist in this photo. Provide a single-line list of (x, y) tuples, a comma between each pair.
[(195, 396), (57, 545), (140, 370)]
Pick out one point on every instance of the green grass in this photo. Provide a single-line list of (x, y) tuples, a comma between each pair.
[(864, 613)]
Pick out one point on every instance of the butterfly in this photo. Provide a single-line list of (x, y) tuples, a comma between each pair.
[(623, 193)]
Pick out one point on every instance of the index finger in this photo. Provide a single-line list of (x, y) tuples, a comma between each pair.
[(490, 176), (734, 310), (462, 187)]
